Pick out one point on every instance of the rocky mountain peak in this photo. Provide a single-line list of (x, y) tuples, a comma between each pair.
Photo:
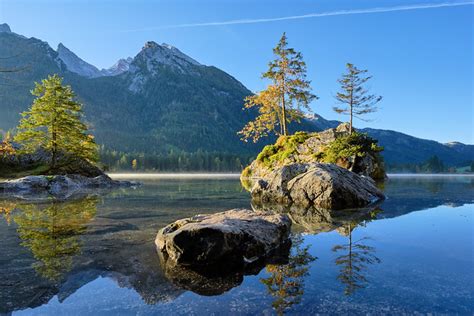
[(76, 64), (5, 28), (164, 54)]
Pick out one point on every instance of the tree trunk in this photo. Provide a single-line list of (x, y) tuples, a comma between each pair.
[(54, 149), (283, 106), (351, 106), (283, 112), (350, 124)]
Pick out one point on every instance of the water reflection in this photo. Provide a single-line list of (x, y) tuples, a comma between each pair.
[(286, 281), (354, 261), (51, 232), (215, 280), (52, 248)]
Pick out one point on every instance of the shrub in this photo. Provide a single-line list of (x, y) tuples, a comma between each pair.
[(284, 147), (347, 146)]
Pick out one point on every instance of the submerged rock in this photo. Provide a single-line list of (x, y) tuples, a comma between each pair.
[(234, 238), (61, 186), (320, 185)]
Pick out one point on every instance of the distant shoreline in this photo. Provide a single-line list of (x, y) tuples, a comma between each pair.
[(203, 175), (395, 175), (197, 175)]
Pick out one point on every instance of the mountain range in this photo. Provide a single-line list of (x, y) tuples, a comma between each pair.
[(162, 100)]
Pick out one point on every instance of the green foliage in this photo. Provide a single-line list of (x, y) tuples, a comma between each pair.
[(354, 145), (285, 282), (284, 100), (353, 97), (52, 233), (54, 124), (174, 111), (174, 161), (282, 149), (432, 165)]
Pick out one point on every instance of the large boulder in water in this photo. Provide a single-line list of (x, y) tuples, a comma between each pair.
[(319, 185), (307, 148), (232, 238)]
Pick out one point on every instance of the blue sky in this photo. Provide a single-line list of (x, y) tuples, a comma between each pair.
[(421, 60)]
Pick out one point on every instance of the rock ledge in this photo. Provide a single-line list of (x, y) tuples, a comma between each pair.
[(61, 186)]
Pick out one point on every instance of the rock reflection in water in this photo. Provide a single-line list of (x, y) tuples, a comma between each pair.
[(215, 280), (317, 220), (357, 255), (52, 248)]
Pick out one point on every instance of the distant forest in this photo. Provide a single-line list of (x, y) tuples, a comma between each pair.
[(432, 165), (175, 161)]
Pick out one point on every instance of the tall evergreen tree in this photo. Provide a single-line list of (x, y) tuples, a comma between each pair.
[(285, 98), (353, 97), (54, 124)]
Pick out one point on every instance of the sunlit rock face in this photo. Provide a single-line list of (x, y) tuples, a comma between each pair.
[(235, 238), (320, 185), (307, 148)]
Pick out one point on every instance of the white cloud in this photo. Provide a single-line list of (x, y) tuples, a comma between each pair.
[(312, 15)]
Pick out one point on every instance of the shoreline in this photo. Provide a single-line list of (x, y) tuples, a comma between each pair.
[(204, 175), (198, 175)]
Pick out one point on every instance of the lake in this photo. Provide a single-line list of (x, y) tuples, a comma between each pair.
[(95, 254)]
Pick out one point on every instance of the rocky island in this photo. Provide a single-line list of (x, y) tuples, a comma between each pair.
[(333, 169)]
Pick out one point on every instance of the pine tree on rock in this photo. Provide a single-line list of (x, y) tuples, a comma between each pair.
[(54, 124), (354, 98), (285, 99)]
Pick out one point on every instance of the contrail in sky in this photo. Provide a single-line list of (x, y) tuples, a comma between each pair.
[(313, 15)]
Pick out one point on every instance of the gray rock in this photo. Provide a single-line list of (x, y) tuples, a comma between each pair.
[(307, 152), (235, 237), (29, 183), (60, 186), (320, 185)]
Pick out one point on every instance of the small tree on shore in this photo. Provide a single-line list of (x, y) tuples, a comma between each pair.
[(6, 146), (285, 98), (353, 97), (54, 124)]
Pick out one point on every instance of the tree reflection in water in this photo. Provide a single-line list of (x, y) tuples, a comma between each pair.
[(356, 260), (51, 231), (286, 281), (7, 208)]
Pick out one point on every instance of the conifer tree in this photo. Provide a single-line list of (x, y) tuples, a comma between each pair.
[(54, 124), (353, 97), (6, 147), (285, 98)]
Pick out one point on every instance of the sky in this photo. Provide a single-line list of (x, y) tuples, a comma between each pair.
[(420, 52)]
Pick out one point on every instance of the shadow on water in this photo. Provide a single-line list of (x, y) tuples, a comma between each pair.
[(52, 248)]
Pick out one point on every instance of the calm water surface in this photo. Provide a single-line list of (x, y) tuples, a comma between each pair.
[(96, 254)]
